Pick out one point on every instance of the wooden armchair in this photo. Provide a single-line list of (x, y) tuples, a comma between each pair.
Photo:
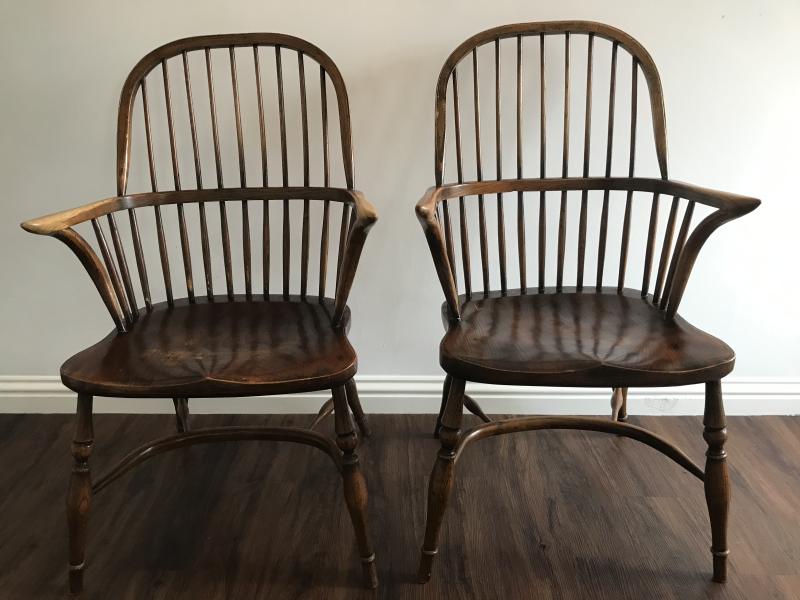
[(552, 324), (281, 331)]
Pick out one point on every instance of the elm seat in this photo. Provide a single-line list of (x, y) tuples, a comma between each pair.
[(221, 348), (581, 339)]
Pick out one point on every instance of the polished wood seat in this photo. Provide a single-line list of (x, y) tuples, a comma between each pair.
[(218, 348), (596, 339)]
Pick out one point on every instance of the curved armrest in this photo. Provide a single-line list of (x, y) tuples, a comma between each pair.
[(107, 279), (728, 207), (59, 221), (365, 217), (426, 213)]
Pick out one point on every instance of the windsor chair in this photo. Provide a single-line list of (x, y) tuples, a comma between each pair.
[(556, 327), (284, 334)]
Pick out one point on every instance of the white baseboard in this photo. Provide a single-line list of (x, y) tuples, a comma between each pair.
[(421, 394)]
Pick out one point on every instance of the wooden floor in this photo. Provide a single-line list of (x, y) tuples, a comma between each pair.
[(589, 516)]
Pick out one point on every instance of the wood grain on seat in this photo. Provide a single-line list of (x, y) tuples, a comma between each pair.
[(218, 349), (579, 339)]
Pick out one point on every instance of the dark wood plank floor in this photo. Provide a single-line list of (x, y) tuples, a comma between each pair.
[(583, 515)]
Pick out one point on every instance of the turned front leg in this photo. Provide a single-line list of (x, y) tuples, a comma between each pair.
[(355, 487), (441, 482), (716, 482), (79, 492)]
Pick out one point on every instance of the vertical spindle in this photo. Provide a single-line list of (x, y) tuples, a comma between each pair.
[(542, 165), (162, 246), (162, 249), (651, 245), (479, 173), (246, 252), (176, 175), (626, 226), (501, 228), (683, 233), (184, 236), (587, 142), (198, 178), (666, 246), (122, 261), (223, 213), (462, 209), (265, 241), (323, 246), (149, 139), (141, 266), (262, 126), (284, 174), (213, 110), (562, 217), (601, 247), (192, 121), (306, 178), (523, 284), (113, 274), (237, 117)]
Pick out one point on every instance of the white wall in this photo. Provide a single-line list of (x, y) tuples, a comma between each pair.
[(730, 76)]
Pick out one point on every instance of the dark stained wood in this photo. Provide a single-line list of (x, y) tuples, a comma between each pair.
[(562, 215), (355, 487), (603, 237), (141, 267), (599, 517), (216, 346), (587, 144), (219, 349), (501, 226), (111, 269), (122, 262), (717, 483), (521, 257), (182, 417), (542, 164), (626, 223), (564, 335), (79, 493)]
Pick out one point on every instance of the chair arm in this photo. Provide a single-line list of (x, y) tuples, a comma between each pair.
[(426, 213), (59, 221), (59, 225), (365, 217), (729, 207)]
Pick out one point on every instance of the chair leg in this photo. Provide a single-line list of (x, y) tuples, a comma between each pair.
[(716, 482), (355, 406), (623, 410), (442, 476), (181, 414), (619, 404), (79, 492), (355, 487), (445, 391)]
